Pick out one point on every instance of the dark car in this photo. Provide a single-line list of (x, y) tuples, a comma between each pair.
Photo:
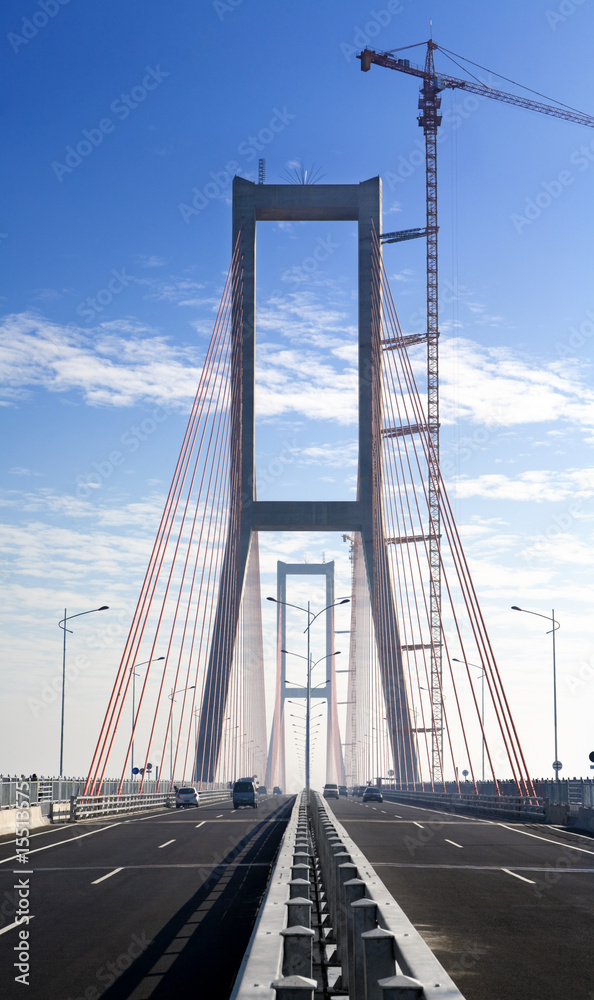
[(244, 794), (262, 790), (373, 794), (277, 791), (342, 790)]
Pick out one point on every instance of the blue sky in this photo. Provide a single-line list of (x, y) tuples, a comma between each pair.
[(113, 262)]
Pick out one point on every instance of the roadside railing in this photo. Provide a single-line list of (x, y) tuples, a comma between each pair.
[(92, 806), (530, 809), (41, 790)]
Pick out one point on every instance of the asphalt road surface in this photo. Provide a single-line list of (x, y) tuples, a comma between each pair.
[(507, 908), (157, 906)]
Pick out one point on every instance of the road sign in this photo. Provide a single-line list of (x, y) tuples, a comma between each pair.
[(591, 756), (135, 770), (149, 767), (465, 773), (557, 765)]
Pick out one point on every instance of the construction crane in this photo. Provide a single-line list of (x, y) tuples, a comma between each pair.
[(430, 119)]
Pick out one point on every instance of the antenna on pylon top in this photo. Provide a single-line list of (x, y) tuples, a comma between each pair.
[(262, 171)]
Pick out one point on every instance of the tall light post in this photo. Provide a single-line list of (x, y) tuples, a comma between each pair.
[(310, 667), (556, 625), (172, 697), (482, 677), (310, 620), (142, 664), (61, 625)]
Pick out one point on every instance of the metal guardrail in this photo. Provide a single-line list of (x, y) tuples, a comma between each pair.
[(381, 952), (88, 806), (43, 790), (519, 807), (263, 959)]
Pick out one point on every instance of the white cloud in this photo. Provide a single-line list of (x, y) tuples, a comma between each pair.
[(501, 387), (535, 486), (117, 363)]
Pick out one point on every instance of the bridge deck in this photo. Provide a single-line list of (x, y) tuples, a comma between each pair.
[(507, 909)]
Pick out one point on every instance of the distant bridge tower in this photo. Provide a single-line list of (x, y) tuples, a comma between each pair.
[(275, 771), (360, 203)]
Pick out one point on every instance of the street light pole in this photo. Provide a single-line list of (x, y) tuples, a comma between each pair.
[(310, 668), (142, 664), (552, 631), (482, 676), (172, 696), (310, 620), (66, 618)]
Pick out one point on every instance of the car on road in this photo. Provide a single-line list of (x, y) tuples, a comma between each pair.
[(277, 790), (245, 794), (373, 794), (342, 790), (331, 792), (186, 797)]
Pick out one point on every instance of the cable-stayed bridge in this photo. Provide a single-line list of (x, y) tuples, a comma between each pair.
[(416, 717)]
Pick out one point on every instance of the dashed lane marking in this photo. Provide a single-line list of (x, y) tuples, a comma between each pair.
[(418, 824), (109, 874), (515, 875), (197, 827), (166, 844), (452, 842)]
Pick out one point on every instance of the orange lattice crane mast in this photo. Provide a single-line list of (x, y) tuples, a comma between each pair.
[(430, 120)]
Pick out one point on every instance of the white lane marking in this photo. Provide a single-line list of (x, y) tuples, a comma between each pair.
[(384, 811), (57, 844), (198, 825), (547, 840), (418, 824), (515, 875), (452, 842), (166, 844), (220, 816), (109, 874), (17, 923)]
